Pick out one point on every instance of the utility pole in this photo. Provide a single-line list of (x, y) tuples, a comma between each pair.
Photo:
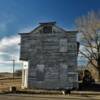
[(13, 88), (13, 68)]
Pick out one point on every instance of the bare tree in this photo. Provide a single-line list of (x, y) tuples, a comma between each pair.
[(89, 27)]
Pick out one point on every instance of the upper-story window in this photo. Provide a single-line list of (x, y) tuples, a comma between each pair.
[(63, 45), (47, 29)]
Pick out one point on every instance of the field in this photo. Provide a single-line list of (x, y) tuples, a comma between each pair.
[(6, 81)]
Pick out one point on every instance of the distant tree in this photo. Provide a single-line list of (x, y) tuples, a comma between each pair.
[(89, 27)]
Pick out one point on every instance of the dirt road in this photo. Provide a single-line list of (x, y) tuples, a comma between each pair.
[(48, 97)]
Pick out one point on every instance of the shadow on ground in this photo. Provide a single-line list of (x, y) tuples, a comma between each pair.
[(89, 87)]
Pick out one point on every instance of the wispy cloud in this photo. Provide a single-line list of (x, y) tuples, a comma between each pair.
[(5, 20), (26, 29), (3, 26)]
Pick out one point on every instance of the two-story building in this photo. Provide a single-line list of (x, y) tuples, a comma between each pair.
[(50, 56)]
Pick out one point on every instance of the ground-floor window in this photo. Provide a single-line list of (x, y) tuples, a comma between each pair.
[(40, 73)]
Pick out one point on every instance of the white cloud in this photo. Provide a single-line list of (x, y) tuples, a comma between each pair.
[(9, 46), (8, 41), (9, 49)]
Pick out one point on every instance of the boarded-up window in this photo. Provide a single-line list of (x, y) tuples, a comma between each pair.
[(63, 69), (63, 65), (63, 45), (40, 72)]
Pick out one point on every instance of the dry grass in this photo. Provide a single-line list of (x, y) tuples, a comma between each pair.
[(6, 83)]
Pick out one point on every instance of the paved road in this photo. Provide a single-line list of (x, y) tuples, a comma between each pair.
[(48, 97)]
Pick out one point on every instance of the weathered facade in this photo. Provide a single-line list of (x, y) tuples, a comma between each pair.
[(51, 53)]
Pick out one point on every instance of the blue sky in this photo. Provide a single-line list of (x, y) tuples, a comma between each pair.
[(23, 15), (19, 14)]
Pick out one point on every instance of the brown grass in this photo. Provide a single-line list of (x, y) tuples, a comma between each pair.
[(6, 83)]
